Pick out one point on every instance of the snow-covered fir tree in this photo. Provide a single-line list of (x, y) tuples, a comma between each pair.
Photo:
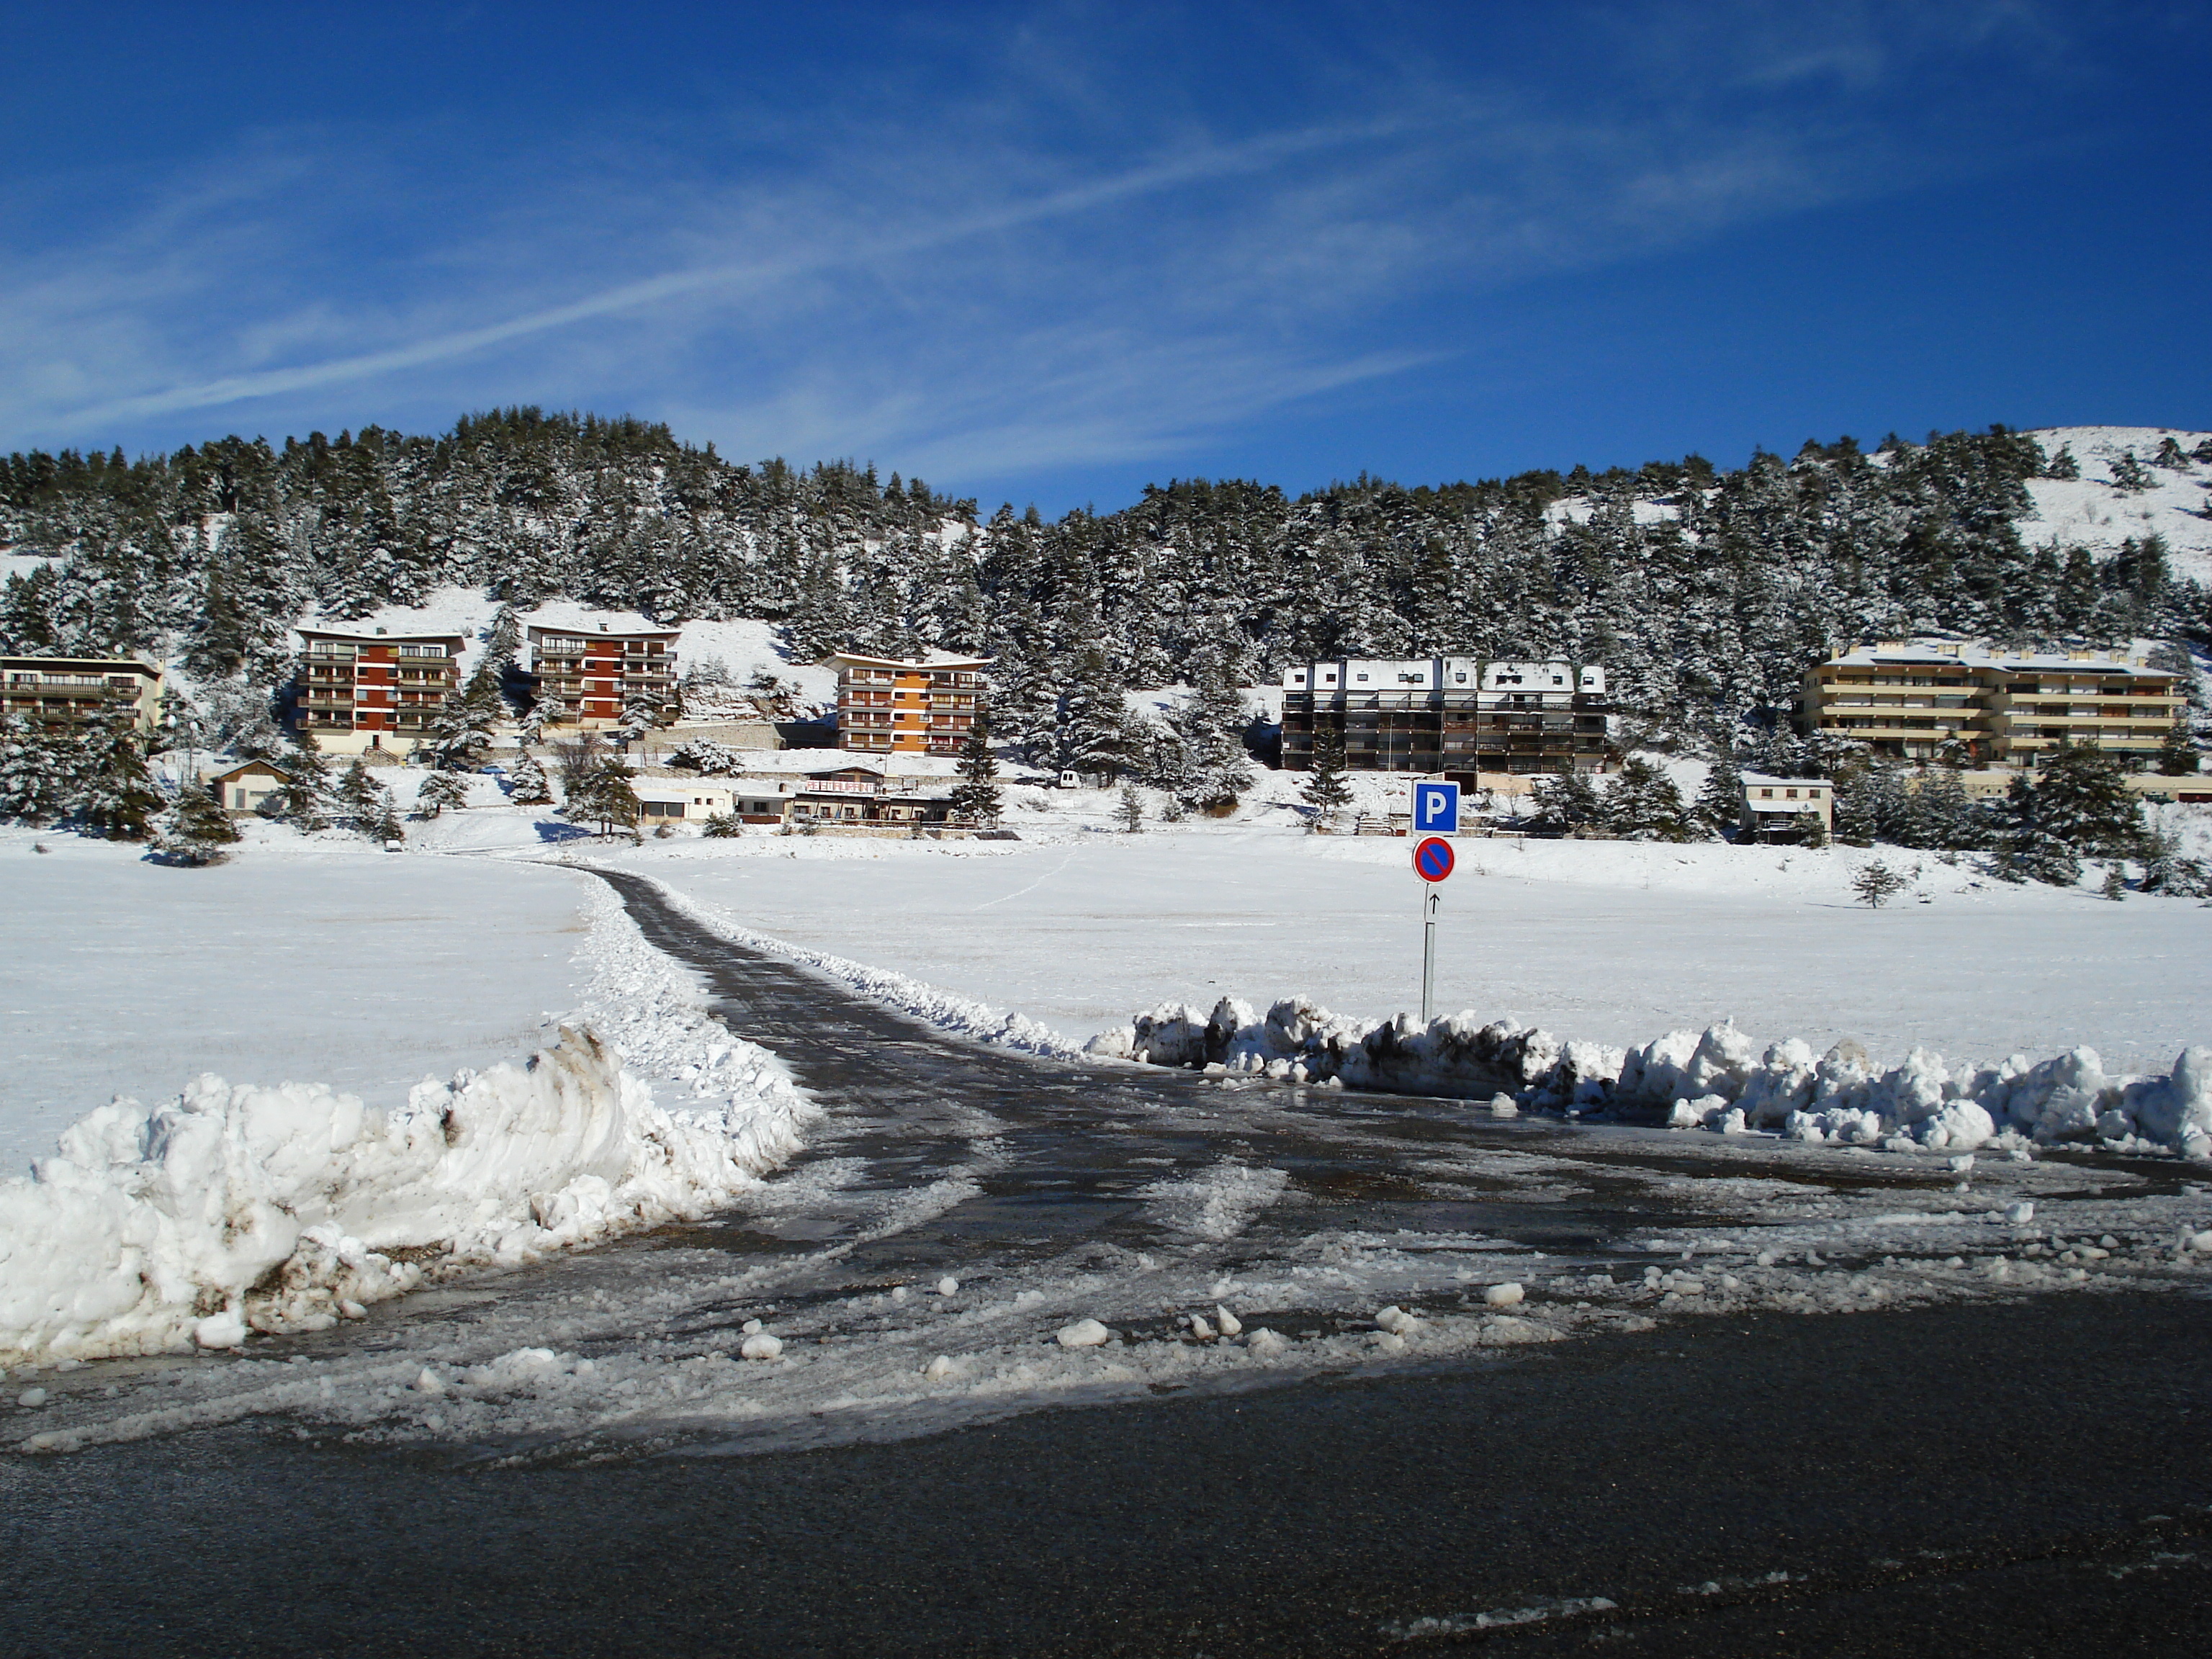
[(1568, 801), (463, 727), (37, 773), (977, 797), (1092, 737), (604, 794), (304, 799), (1643, 804), (1325, 789), (1210, 725), (195, 830), (116, 794), (2080, 797), (526, 782), (1129, 809), (443, 790), (1719, 807)]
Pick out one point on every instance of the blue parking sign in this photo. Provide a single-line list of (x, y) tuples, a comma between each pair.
[(1436, 809)]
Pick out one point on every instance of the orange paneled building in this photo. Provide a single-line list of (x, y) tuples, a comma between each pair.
[(910, 706)]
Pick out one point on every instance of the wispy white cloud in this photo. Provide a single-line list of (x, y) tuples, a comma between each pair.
[(978, 286)]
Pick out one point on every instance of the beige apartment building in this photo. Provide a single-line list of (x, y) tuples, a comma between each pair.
[(67, 694), (1914, 699)]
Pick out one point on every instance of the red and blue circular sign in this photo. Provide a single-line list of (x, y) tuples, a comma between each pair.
[(1433, 857)]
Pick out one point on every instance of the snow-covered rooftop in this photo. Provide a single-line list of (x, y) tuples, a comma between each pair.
[(1974, 654)]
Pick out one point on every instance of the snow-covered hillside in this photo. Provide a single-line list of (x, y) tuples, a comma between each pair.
[(2093, 513)]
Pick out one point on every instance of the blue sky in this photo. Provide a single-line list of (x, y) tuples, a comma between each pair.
[(1048, 252)]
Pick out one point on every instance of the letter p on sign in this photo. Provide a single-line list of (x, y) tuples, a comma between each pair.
[(1436, 809)]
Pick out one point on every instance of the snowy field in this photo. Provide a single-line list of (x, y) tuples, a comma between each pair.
[(1609, 942), (323, 962), (290, 1213)]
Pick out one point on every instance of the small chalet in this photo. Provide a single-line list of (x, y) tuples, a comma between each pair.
[(243, 789)]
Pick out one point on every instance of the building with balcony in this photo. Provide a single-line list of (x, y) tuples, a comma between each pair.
[(588, 679), (358, 692), (67, 694), (1457, 716), (1784, 809), (1926, 699), (900, 705)]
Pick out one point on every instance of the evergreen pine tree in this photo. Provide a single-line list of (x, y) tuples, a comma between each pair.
[(303, 798), (1325, 789), (2028, 847), (1644, 805), (1854, 796), (462, 728), (2063, 465), (1719, 807), (1943, 816), (379, 820), (116, 794), (526, 785), (194, 831), (38, 776), (1569, 801), (2178, 755), (977, 800), (2168, 870), (2129, 475), (1129, 809), (442, 791), (355, 794), (502, 641), (1092, 737), (1211, 724), (2081, 797), (603, 794)]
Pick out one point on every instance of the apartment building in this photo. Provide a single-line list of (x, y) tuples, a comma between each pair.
[(67, 694), (902, 705), (588, 677), (1915, 699), (359, 691), (1459, 716)]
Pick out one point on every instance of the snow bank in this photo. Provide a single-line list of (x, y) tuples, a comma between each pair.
[(1716, 1079), (235, 1208)]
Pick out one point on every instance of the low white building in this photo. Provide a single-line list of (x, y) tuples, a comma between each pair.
[(1782, 808)]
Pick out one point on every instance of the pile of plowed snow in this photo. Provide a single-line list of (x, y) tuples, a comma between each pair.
[(1718, 1079), (235, 1208)]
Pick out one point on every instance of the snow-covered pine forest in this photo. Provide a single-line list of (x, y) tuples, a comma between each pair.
[(1705, 591)]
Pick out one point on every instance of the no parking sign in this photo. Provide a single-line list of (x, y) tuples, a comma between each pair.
[(1433, 859)]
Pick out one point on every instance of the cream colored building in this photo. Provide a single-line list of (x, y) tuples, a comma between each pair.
[(67, 693), (1784, 807), (1915, 698)]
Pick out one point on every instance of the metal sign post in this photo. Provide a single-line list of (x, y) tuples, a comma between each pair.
[(1433, 859)]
